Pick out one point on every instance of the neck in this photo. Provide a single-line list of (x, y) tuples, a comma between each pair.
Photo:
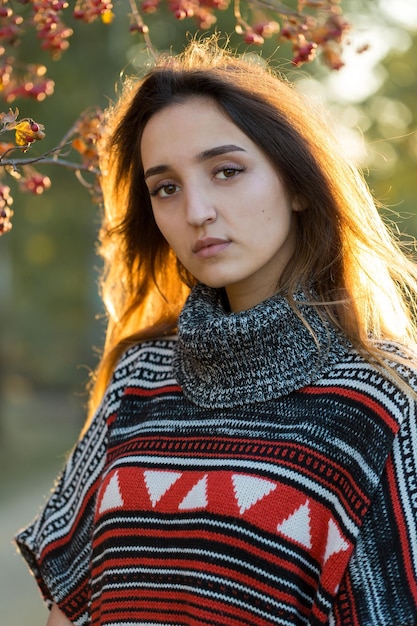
[(255, 355), (242, 298)]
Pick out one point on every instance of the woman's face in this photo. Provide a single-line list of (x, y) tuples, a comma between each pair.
[(218, 201)]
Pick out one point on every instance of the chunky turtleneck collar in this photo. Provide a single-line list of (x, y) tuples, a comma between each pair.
[(229, 359)]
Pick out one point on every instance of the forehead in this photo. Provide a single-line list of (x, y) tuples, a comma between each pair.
[(188, 128)]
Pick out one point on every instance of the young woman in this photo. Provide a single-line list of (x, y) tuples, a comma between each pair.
[(251, 456)]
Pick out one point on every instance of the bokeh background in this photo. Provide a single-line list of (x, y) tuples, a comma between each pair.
[(51, 322)]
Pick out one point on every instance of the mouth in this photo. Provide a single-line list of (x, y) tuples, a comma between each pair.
[(210, 246)]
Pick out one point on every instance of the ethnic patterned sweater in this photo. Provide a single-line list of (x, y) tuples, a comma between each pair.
[(241, 474)]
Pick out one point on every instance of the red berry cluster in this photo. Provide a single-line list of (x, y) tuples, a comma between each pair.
[(217, 5), (51, 29), (6, 212), (6, 72), (316, 24), (312, 33), (256, 34), (86, 133), (36, 90), (89, 10), (149, 6), (27, 80), (10, 26), (23, 81), (304, 51), (329, 37), (182, 8), (201, 10), (34, 182)]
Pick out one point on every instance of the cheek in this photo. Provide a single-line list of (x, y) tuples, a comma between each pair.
[(159, 221), (273, 226), (169, 230)]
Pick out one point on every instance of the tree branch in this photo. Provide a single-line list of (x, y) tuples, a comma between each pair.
[(46, 160)]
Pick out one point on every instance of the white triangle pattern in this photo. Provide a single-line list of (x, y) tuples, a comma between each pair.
[(250, 489), (297, 526), (196, 498), (112, 498), (335, 541), (158, 482)]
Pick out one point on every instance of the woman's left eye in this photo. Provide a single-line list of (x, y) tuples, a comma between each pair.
[(164, 190), (228, 172)]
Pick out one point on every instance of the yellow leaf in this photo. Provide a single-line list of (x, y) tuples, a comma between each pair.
[(27, 131), (23, 133)]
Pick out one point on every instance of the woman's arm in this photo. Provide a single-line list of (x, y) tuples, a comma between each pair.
[(57, 618)]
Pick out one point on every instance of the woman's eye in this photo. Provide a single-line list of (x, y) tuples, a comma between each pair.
[(228, 172), (163, 191)]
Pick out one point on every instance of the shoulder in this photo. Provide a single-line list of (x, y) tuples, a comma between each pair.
[(395, 361), (152, 350), (144, 361), (391, 383)]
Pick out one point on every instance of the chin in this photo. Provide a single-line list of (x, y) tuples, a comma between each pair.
[(213, 283)]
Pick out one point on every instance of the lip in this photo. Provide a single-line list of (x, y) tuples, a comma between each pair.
[(210, 246)]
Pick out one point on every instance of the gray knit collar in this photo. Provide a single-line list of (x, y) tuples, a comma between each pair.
[(229, 359)]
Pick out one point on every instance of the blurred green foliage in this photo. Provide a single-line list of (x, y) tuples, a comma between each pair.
[(392, 137), (49, 295)]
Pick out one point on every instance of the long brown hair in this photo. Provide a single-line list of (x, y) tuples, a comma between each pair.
[(362, 280)]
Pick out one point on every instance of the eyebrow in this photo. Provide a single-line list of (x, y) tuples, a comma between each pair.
[(201, 156)]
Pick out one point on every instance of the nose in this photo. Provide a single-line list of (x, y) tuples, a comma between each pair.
[(199, 207)]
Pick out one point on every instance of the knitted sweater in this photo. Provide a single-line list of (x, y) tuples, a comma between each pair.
[(242, 474)]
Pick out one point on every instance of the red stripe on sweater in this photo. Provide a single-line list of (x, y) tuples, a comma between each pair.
[(356, 396), (402, 528), (140, 391), (181, 607), (207, 537)]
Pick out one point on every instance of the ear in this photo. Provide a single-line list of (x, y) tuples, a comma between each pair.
[(299, 203)]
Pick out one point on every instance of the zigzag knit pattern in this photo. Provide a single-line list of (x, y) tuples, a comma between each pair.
[(297, 510)]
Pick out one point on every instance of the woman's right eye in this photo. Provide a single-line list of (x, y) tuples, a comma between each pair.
[(164, 190)]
